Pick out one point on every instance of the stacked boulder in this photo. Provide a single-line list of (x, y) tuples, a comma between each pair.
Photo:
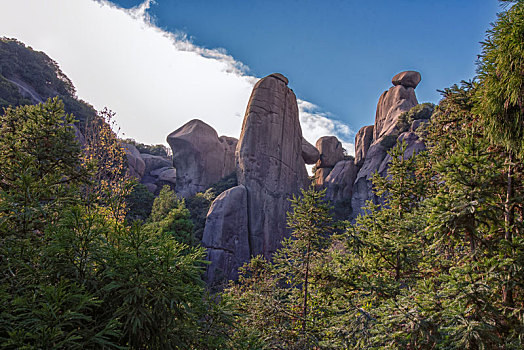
[(250, 219), (152, 171), (373, 142), (200, 157)]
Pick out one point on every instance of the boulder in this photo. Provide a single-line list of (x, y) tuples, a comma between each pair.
[(331, 151), (168, 175), (226, 235), (363, 140), (310, 153), (408, 78), (136, 165), (199, 156), (155, 162), (157, 172), (269, 161), (391, 105), (339, 182)]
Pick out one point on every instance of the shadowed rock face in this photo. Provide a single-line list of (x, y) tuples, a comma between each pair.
[(269, 161), (339, 182), (310, 153), (226, 235), (363, 140), (200, 156)]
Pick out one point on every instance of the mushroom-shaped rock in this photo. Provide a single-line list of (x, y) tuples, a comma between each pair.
[(199, 157), (408, 78), (331, 151), (269, 161), (136, 165), (226, 235), (339, 182), (310, 153), (363, 140)]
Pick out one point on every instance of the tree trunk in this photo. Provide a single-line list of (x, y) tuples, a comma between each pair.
[(509, 215)]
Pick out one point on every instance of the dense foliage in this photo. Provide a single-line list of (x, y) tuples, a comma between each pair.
[(438, 263), (74, 274), (88, 260)]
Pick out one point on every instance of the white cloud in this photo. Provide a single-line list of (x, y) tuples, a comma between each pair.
[(154, 80)]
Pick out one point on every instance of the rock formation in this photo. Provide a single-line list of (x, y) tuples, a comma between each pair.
[(331, 152), (339, 182), (363, 140), (250, 219), (226, 235), (310, 153), (269, 161), (371, 153), (200, 156), (136, 166)]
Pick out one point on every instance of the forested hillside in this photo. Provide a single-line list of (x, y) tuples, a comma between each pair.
[(436, 263)]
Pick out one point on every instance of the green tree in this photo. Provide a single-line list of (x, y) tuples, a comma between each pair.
[(73, 274), (500, 95), (281, 300)]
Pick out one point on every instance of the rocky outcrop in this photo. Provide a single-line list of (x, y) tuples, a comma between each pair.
[(363, 140), (398, 99), (226, 235), (158, 172), (339, 182), (153, 163), (199, 156), (136, 166), (269, 161), (331, 151), (310, 153), (391, 105)]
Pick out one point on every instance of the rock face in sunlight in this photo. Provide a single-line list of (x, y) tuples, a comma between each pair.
[(200, 156), (269, 161), (371, 152)]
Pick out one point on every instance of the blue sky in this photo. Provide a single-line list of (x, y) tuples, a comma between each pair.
[(339, 54), (158, 64)]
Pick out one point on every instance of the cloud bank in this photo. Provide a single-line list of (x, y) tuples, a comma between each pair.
[(153, 79)]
